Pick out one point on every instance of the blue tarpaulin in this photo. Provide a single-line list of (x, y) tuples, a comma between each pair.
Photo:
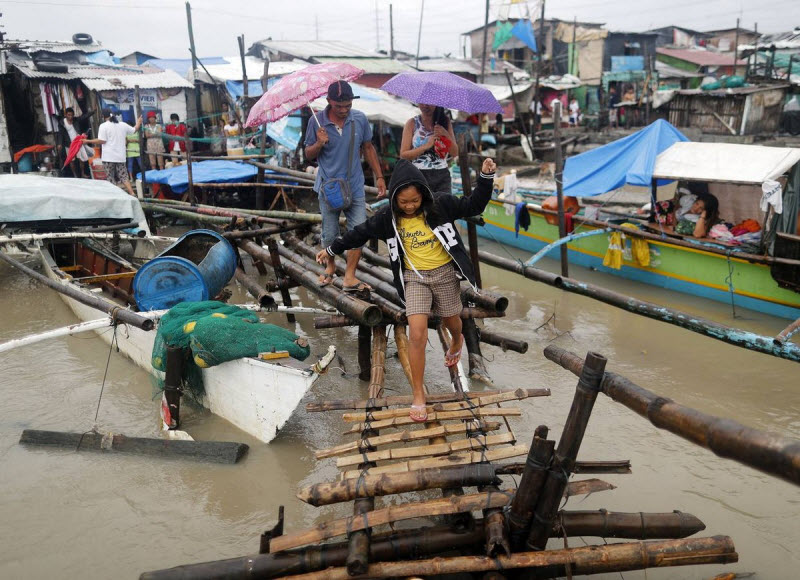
[(202, 172), (523, 30), (629, 160)]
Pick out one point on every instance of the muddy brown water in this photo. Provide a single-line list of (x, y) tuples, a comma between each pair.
[(95, 516)]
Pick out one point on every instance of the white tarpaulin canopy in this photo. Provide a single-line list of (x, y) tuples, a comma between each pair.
[(377, 106), (27, 198), (724, 162)]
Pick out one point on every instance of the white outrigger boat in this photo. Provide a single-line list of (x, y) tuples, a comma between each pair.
[(256, 395)]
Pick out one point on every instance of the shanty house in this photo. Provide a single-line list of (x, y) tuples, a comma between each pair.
[(702, 61)]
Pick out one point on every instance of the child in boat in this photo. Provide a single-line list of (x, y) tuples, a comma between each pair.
[(427, 257)]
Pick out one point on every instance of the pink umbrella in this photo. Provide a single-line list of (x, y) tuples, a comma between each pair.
[(297, 89)]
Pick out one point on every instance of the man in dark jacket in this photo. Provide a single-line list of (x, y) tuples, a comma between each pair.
[(427, 257)]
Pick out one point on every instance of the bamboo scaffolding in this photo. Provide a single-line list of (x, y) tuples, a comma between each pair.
[(767, 452), (346, 404), (585, 560), (410, 544), (436, 507), (404, 437), (471, 403), (387, 484), (397, 418), (454, 459), (471, 443)]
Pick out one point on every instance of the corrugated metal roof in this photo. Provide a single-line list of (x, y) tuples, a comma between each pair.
[(33, 46), (75, 72), (379, 66), (232, 71), (670, 72), (701, 57), (468, 65), (735, 91), (161, 80), (308, 49)]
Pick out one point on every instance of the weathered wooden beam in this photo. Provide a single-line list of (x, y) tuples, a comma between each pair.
[(331, 529), (462, 458), (584, 560), (213, 451), (388, 484)]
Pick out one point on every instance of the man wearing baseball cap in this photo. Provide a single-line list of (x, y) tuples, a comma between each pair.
[(336, 127)]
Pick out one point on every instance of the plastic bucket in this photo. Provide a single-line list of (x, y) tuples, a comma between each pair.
[(196, 267), (25, 163)]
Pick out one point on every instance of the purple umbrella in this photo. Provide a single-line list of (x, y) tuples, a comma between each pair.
[(443, 89)]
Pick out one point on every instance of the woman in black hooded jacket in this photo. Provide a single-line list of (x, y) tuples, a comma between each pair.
[(427, 257)]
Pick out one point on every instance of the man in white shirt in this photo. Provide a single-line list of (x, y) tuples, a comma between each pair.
[(112, 135)]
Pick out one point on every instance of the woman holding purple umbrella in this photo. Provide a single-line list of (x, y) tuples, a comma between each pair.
[(429, 143)]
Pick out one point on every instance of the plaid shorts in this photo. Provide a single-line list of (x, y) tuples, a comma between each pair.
[(438, 292), (116, 172)]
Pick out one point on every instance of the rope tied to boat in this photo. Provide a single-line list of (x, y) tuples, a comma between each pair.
[(729, 280)]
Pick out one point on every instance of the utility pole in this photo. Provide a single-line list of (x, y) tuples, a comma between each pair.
[(485, 40), (419, 34), (377, 29), (736, 46), (540, 45), (391, 33), (197, 99), (245, 94)]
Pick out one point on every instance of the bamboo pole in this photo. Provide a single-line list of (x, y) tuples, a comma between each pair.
[(521, 513), (463, 458), (117, 312), (567, 451), (786, 333), (584, 560), (280, 276), (455, 414), (410, 544), (401, 342), (387, 484), (582, 467), (264, 299), (472, 403), (734, 336), (353, 307), (259, 186), (147, 206), (364, 351), (345, 404), (262, 232), (287, 215), (504, 342), (301, 175), (475, 442), (331, 529), (405, 437), (767, 452)]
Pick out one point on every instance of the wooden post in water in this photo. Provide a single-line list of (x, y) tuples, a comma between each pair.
[(260, 175), (142, 151), (187, 140), (589, 385), (364, 340), (533, 476), (172, 387), (477, 368), (559, 175), (280, 276)]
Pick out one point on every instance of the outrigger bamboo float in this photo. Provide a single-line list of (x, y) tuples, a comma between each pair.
[(514, 525)]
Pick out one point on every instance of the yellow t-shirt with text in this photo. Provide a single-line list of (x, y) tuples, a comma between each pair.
[(422, 248)]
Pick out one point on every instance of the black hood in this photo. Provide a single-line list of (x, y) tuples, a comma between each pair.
[(406, 173)]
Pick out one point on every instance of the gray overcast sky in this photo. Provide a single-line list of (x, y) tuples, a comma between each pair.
[(159, 26)]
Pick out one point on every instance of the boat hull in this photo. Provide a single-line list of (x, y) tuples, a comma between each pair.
[(256, 396), (686, 270)]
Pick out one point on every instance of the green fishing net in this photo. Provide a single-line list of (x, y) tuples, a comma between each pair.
[(214, 333)]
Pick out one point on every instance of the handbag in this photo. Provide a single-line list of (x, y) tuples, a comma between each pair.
[(336, 191)]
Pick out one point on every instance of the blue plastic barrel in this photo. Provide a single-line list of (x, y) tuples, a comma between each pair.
[(25, 163), (196, 267)]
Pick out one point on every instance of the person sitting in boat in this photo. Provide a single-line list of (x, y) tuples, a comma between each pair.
[(695, 211), (427, 257)]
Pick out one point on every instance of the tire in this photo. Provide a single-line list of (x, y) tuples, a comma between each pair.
[(82, 38)]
